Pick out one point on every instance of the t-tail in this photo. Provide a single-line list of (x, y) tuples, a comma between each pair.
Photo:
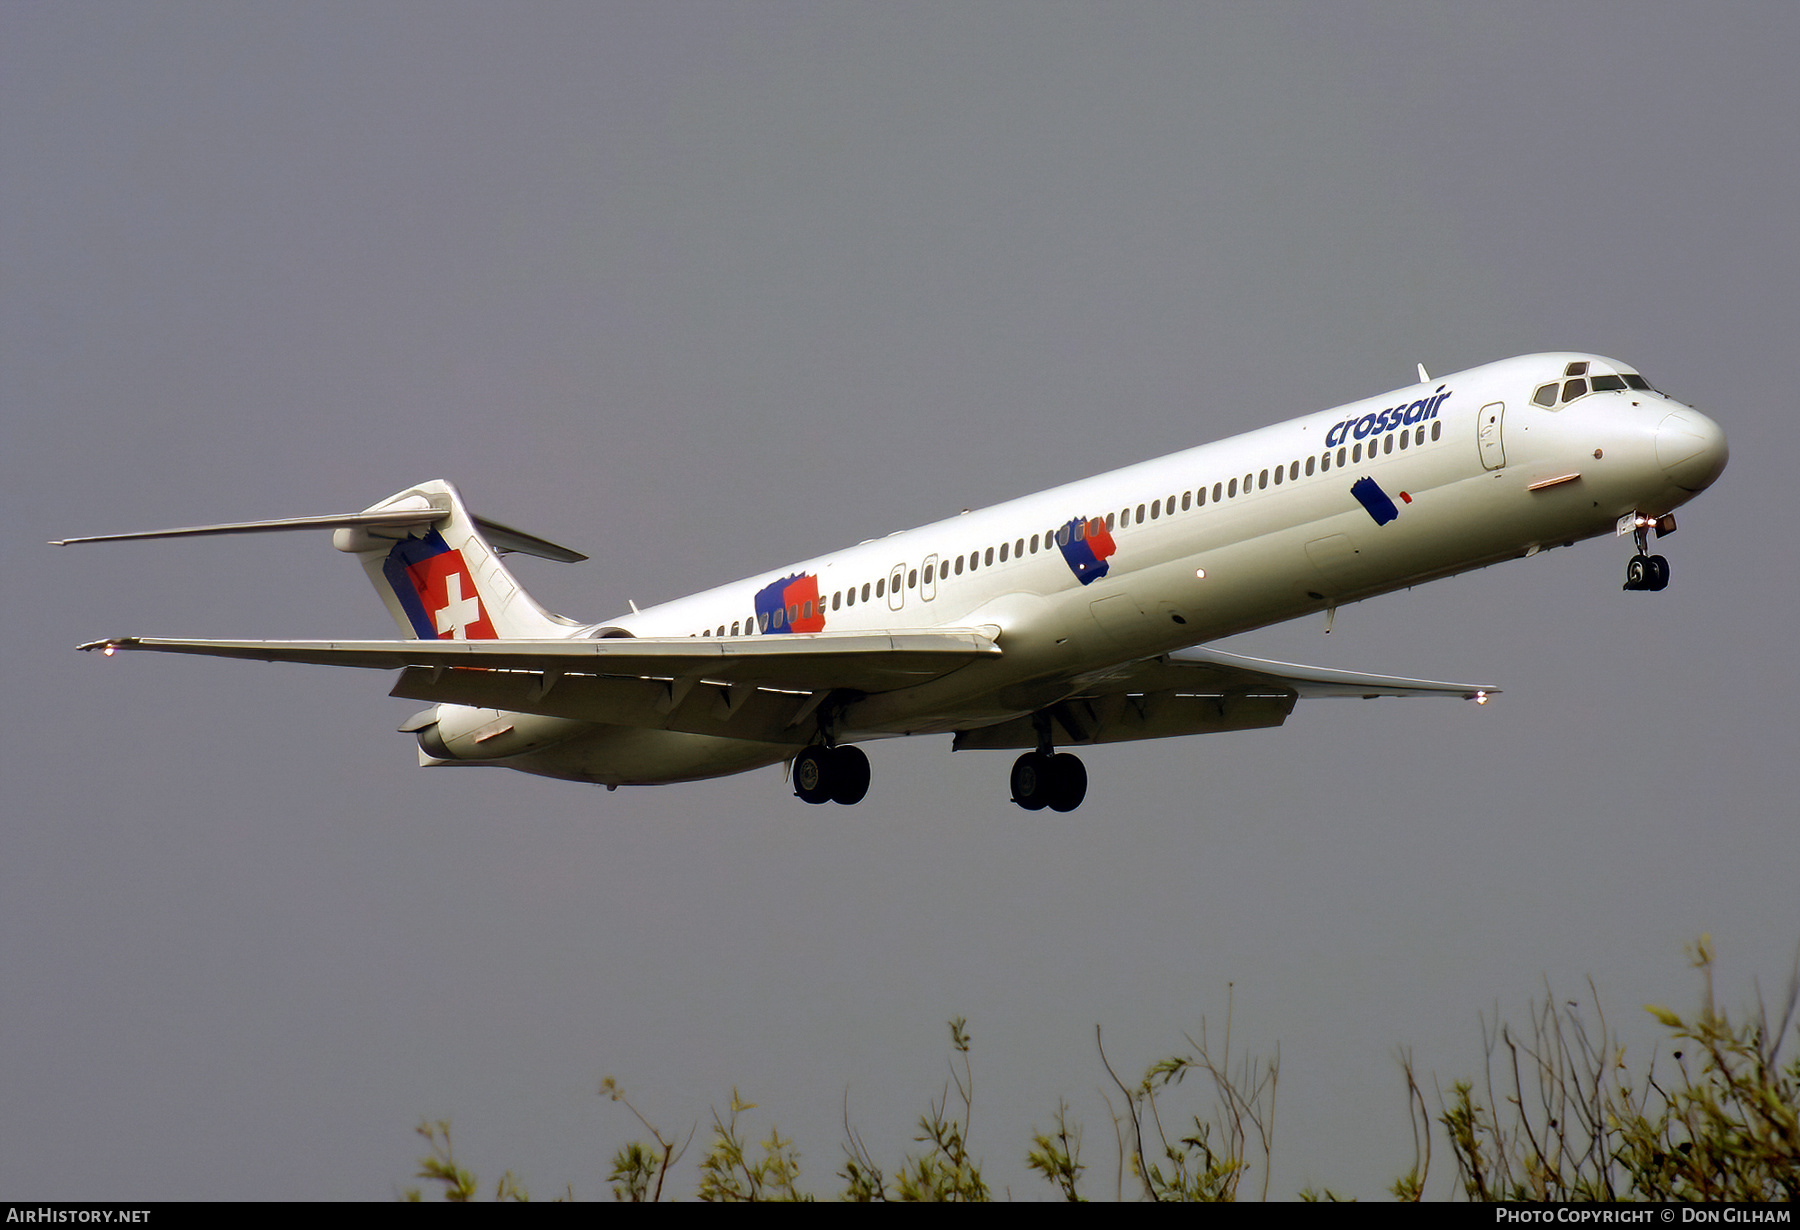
[(435, 564), (439, 570)]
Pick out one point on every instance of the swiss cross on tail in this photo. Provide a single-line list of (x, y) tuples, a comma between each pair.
[(435, 589)]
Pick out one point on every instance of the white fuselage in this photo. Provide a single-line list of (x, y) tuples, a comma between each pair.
[(1333, 507)]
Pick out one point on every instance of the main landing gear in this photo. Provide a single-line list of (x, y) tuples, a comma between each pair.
[(1041, 780), (1646, 571), (835, 774), (1045, 778)]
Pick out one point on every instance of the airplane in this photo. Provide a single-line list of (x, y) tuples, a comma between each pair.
[(1071, 617)]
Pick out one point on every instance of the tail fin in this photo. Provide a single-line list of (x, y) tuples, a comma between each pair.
[(443, 579)]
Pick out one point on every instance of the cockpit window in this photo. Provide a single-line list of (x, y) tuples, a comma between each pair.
[(1551, 396)]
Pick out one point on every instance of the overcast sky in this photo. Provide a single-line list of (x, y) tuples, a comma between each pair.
[(701, 289)]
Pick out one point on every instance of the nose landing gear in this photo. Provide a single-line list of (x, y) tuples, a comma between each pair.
[(1646, 571)]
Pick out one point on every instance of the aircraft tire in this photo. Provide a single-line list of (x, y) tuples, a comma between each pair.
[(1659, 574), (1068, 782), (813, 774), (849, 776), (1031, 781), (1637, 572)]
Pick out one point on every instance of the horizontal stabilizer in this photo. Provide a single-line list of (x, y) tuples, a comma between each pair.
[(503, 538)]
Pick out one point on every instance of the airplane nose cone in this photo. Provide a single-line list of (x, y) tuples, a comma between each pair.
[(1691, 449)]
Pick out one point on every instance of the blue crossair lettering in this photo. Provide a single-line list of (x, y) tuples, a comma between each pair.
[(1386, 420)]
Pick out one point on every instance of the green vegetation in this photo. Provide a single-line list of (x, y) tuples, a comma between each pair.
[(1558, 1116)]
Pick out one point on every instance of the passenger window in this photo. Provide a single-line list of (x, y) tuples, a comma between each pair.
[(1233, 489), (1155, 509), (988, 559), (1387, 445), (1216, 491), (1325, 462), (1340, 459), (1356, 453), (836, 600), (1249, 477), (1169, 505), (1419, 434), (959, 565), (912, 578), (1187, 500), (879, 586), (1005, 547), (1200, 498), (1019, 549), (1545, 396), (1309, 465), (1034, 541), (1140, 515), (1262, 480), (1437, 429), (1280, 473), (1405, 439)]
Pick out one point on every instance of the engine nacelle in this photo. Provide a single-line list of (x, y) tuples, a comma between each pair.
[(459, 732)]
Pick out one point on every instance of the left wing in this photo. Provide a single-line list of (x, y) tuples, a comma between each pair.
[(861, 661), (761, 688)]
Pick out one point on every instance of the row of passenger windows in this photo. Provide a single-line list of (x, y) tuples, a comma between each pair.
[(1221, 491)]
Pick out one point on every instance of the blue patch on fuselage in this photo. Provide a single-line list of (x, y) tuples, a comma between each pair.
[(1370, 495)]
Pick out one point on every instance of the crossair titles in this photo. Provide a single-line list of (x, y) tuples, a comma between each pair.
[(1386, 420)]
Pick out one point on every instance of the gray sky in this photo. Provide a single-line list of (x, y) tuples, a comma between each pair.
[(701, 289)]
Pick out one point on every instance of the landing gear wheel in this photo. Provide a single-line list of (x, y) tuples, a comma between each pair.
[(1658, 577), (812, 774), (1068, 778), (1031, 777), (1040, 780), (1637, 572), (849, 775)]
